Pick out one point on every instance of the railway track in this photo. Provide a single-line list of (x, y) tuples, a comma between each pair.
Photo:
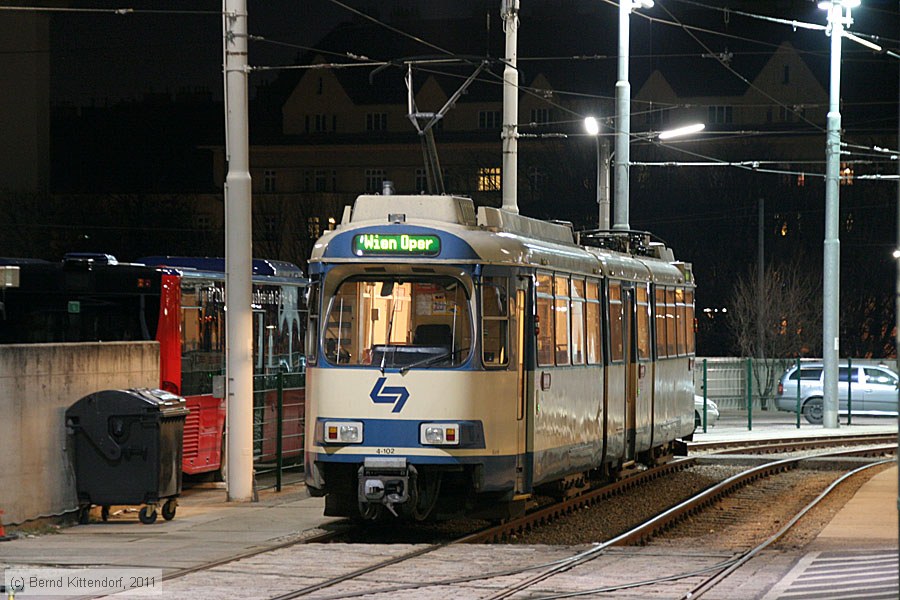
[(399, 556), (788, 444)]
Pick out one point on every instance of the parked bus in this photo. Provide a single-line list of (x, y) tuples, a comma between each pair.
[(179, 302)]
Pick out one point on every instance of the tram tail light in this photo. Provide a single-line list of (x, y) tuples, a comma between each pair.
[(343, 432), (439, 434)]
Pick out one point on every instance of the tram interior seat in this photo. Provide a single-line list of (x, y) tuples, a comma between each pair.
[(433, 334)]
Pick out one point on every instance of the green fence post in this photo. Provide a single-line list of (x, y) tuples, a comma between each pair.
[(849, 392), (705, 392), (279, 416), (749, 394), (798, 392)]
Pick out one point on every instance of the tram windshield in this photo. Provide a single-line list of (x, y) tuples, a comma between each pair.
[(394, 323)]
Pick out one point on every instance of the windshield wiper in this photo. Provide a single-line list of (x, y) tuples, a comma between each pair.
[(428, 360)]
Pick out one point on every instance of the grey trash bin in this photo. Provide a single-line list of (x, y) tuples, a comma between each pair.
[(127, 450)]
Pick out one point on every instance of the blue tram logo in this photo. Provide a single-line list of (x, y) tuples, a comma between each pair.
[(389, 395)]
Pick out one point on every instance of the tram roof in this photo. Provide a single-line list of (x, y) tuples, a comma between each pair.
[(495, 236)]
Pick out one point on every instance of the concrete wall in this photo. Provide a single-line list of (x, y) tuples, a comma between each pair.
[(38, 382)]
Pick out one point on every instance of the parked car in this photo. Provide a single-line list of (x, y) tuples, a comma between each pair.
[(872, 390), (712, 411)]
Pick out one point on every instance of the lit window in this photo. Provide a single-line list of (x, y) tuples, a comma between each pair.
[(540, 116), (846, 174), (801, 180), (314, 227), (489, 179)]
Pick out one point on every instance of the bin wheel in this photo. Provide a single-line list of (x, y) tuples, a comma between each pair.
[(104, 513), (168, 509), (147, 515), (84, 514)]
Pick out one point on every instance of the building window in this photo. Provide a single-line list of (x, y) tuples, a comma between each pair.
[(540, 116), (720, 114), (332, 223), (321, 123), (321, 180), (489, 179), (203, 222), (376, 122), (270, 227), (537, 178), (269, 181), (374, 180), (489, 119), (786, 75), (421, 181), (801, 180), (658, 116), (846, 174), (786, 114), (314, 227)]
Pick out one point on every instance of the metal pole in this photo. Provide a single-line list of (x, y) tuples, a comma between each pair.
[(849, 391), (705, 393), (238, 318), (749, 394), (623, 122), (279, 431), (897, 300), (760, 261), (509, 12), (798, 392), (603, 182), (832, 250)]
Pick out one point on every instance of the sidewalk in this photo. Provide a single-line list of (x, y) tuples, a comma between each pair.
[(206, 528), (769, 424)]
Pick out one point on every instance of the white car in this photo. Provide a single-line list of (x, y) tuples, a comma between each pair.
[(712, 412)]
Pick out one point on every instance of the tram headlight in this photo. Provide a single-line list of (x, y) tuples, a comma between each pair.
[(439, 434), (343, 432)]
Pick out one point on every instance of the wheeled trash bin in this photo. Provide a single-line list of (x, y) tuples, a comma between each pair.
[(127, 450)]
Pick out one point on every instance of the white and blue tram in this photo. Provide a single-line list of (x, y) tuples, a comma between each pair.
[(460, 362)]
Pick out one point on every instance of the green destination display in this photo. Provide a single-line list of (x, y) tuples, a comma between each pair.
[(402, 244)]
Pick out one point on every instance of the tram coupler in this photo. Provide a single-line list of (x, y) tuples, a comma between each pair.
[(384, 480)]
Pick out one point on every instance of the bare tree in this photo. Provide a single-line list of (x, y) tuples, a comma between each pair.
[(789, 305)]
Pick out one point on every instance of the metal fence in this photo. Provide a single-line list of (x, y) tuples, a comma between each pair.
[(279, 401), (749, 384)]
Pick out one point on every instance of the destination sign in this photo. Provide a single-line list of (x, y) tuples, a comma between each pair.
[(380, 244)]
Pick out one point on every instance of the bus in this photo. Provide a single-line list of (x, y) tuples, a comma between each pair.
[(180, 303)]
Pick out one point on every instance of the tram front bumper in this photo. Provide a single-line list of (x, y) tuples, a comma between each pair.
[(384, 480)]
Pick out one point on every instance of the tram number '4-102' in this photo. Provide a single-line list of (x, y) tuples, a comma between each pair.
[(384, 451)]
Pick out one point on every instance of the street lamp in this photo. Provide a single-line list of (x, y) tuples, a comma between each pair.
[(838, 17), (604, 158), (623, 112), (592, 127)]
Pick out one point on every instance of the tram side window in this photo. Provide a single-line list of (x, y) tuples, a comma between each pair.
[(689, 305), (661, 349), (643, 324), (671, 344), (561, 319), (312, 331), (680, 320), (616, 321), (544, 290), (495, 321), (578, 301), (592, 315)]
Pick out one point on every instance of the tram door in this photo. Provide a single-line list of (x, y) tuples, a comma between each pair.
[(631, 383), (521, 389)]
